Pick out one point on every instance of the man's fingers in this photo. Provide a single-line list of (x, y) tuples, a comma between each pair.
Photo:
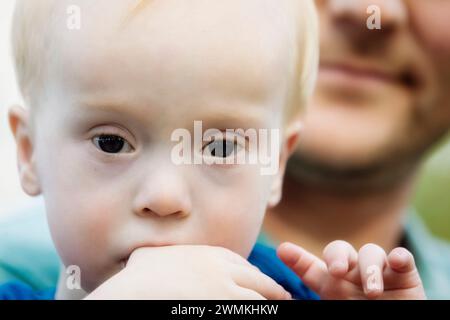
[(340, 257), (401, 272), (307, 266), (372, 260), (401, 260), (253, 279)]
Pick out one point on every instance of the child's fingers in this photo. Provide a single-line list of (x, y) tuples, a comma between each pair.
[(372, 260), (307, 266), (340, 257), (255, 280)]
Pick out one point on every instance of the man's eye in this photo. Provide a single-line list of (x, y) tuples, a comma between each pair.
[(112, 144), (220, 148)]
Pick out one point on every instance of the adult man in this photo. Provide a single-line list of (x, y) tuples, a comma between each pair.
[(383, 99)]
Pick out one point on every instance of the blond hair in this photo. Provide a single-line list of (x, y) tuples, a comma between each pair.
[(32, 47), (308, 58)]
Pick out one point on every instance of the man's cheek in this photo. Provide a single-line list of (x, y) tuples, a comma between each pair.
[(432, 25)]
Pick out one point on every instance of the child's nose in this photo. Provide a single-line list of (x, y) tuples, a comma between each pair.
[(164, 193)]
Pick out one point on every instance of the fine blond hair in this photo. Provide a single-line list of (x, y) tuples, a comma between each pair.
[(32, 47)]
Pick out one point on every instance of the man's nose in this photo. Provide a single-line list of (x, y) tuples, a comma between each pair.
[(351, 17), (163, 193)]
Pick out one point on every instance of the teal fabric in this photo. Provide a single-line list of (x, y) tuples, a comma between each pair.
[(432, 257), (27, 253)]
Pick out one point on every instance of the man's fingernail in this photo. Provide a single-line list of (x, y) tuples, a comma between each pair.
[(374, 281)]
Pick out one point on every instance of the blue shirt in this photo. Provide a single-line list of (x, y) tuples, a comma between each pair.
[(20, 291), (263, 257)]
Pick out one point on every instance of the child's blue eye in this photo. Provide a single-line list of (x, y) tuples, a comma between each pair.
[(220, 148), (111, 144)]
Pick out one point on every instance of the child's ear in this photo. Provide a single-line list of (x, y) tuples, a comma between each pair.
[(290, 141), (20, 127)]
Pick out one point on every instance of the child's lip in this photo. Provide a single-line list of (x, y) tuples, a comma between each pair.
[(124, 261)]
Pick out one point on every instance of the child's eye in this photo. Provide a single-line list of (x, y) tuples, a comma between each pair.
[(112, 144), (220, 148)]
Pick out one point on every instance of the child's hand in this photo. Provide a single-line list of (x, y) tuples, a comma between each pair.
[(347, 274), (189, 272)]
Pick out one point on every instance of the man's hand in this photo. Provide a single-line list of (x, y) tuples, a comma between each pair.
[(346, 274), (189, 272)]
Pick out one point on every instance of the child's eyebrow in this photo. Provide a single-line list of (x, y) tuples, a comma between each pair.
[(115, 107), (242, 117)]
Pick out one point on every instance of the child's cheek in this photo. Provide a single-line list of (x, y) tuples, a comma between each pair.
[(83, 210), (85, 224), (83, 229), (232, 213)]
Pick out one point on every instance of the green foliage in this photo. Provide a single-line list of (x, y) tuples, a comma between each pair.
[(432, 199)]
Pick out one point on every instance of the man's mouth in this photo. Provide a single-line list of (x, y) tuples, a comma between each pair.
[(358, 75)]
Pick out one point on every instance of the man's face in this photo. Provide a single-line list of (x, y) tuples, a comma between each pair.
[(115, 95), (383, 96)]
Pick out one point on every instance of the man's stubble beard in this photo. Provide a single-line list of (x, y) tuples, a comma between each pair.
[(352, 180)]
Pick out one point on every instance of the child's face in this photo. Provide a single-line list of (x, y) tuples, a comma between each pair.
[(222, 62)]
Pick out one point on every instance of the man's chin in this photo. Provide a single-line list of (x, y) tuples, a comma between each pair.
[(351, 172)]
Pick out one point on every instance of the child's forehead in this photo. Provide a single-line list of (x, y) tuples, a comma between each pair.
[(227, 25), (182, 49)]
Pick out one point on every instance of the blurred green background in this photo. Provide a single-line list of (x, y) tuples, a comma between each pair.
[(432, 198)]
